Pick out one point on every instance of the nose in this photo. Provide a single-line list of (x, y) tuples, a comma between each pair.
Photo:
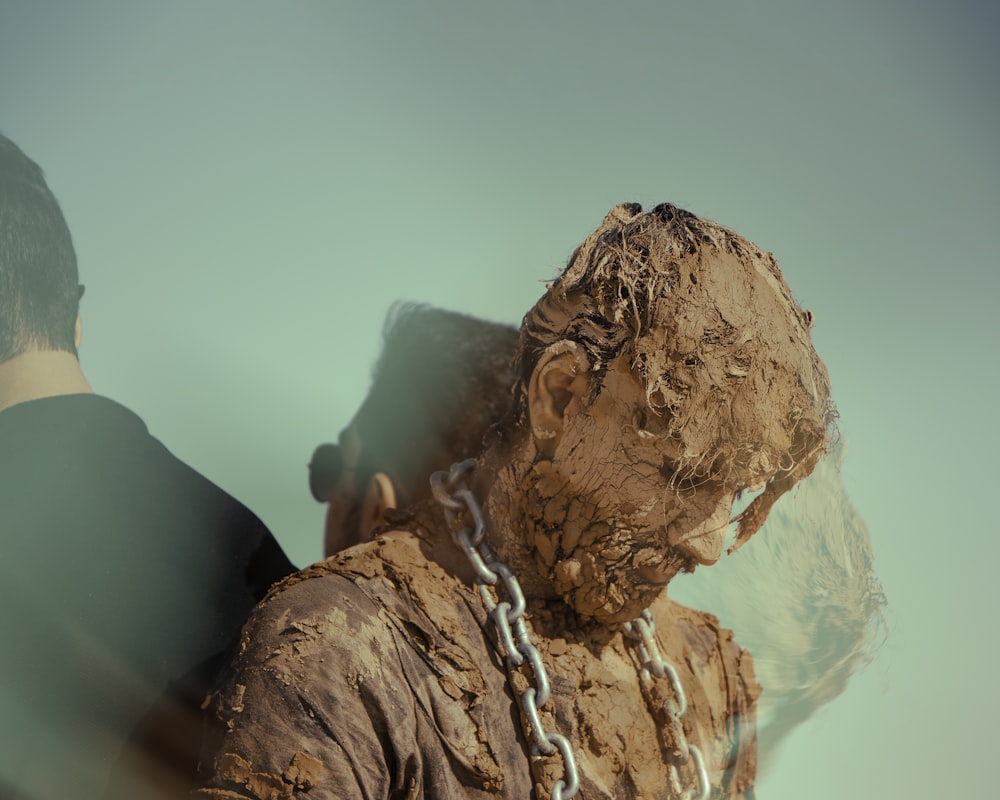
[(704, 541)]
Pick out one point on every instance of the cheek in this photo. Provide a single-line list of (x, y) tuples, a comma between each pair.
[(600, 577), (603, 590), (590, 522)]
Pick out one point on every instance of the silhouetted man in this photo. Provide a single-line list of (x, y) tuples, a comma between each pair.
[(124, 574)]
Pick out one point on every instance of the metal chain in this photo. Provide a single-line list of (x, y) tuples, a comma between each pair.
[(507, 617), (642, 631), (456, 498)]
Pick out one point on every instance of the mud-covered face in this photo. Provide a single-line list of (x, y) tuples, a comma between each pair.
[(716, 388), (613, 523)]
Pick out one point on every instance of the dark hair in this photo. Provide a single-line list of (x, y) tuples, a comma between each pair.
[(39, 285), (442, 381)]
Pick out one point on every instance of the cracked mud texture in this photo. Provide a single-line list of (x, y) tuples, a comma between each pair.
[(667, 370), (369, 675)]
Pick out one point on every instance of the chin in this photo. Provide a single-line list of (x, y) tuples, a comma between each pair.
[(614, 609)]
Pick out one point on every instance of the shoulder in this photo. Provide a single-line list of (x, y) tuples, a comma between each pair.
[(718, 678), (700, 636), (369, 658), (368, 592), (71, 408), (719, 671), (396, 561)]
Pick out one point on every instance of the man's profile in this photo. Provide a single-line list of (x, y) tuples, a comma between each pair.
[(124, 574), (442, 380), (511, 637), (801, 596)]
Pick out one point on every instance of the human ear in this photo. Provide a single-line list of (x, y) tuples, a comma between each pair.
[(379, 496), (560, 375)]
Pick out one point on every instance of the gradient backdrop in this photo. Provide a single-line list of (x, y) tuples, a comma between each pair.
[(251, 184)]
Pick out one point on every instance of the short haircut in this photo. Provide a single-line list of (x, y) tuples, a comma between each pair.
[(442, 380), (39, 284)]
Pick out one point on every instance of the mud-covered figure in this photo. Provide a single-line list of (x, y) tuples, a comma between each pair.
[(125, 575), (801, 596), (666, 371)]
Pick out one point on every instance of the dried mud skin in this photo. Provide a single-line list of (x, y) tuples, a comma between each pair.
[(602, 513), (683, 373), (701, 383), (369, 675), (705, 319)]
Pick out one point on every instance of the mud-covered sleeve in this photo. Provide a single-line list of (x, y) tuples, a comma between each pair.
[(722, 694), (741, 770), (313, 704)]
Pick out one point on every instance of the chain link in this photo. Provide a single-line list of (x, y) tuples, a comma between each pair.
[(643, 631), (507, 617)]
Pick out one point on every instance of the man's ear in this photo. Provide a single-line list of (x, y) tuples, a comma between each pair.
[(560, 375), (379, 496)]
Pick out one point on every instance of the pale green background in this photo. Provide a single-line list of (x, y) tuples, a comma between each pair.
[(250, 184)]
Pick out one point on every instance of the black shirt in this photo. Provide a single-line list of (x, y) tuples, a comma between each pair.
[(125, 576)]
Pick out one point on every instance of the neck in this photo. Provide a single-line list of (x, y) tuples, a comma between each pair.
[(40, 373)]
